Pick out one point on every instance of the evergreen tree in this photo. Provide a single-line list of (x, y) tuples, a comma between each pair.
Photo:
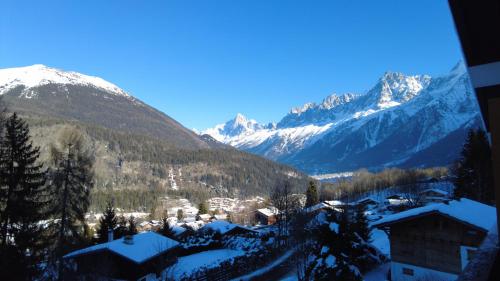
[(23, 199), (180, 214), (202, 208), (312, 195), (472, 173), (361, 223), (121, 228), (132, 226), (166, 230), (108, 221), (71, 182)]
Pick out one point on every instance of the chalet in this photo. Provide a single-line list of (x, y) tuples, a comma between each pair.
[(137, 257), (320, 207), (368, 201), (266, 216), (228, 229), (435, 242), (204, 217), (396, 200), (431, 195)]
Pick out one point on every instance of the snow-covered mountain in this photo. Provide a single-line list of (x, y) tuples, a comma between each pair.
[(38, 75), (43, 92), (402, 121)]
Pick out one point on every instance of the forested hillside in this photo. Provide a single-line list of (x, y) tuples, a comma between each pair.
[(128, 161)]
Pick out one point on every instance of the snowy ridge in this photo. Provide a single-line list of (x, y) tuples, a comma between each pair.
[(38, 75), (405, 114)]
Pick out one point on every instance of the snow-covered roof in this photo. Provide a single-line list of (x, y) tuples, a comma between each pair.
[(268, 211), (335, 203), (178, 230), (366, 199), (205, 216), (223, 227), (316, 207), (464, 210), (439, 191), (145, 246), (220, 217)]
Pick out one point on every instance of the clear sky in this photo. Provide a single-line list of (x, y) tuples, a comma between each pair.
[(202, 62)]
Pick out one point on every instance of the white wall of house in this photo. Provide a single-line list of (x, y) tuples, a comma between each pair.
[(407, 272)]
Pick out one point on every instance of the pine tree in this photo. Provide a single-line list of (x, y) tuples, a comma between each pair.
[(71, 182), (121, 228), (473, 174), (132, 226), (312, 195), (166, 230), (23, 197), (107, 222), (202, 208), (361, 223), (180, 214)]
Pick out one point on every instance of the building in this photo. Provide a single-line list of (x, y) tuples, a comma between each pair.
[(320, 207), (266, 216), (367, 202), (204, 217), (138, 257), (226, 228), (431, 195), (435, 242)]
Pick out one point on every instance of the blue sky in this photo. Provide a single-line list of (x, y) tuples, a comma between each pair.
[(202, 62)]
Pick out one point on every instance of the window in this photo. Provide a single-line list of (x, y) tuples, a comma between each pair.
[(407, 271), (470, 254)]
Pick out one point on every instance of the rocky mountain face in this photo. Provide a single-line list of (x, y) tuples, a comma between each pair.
[(403, 121), (134, 144)]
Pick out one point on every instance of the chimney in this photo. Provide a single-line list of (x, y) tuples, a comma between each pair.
[(110, 234), (128, 239)]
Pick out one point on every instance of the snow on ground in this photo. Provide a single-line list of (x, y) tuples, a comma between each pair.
[(381, 241), (188, 265), (267, 268)]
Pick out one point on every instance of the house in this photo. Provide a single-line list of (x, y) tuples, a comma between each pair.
[(431, 195), (226, 228), (396, 200), (368, 201), (266, 216), (137, 257), (435, 242), (204, 217), (320, 207)]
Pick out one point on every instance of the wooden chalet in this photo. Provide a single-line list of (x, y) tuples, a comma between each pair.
[(433, 195), (266, 216), (138, 257), (435, 242)]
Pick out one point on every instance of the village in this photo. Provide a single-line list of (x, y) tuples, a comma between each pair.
[(236, 239)]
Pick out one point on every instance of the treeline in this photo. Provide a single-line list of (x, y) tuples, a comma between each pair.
[(364, 181)]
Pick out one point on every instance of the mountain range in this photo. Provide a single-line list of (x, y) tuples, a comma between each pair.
[(135, 145), (402, 121)]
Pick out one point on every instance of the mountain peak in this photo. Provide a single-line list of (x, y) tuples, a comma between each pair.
[(240, 119), (39, 75)]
